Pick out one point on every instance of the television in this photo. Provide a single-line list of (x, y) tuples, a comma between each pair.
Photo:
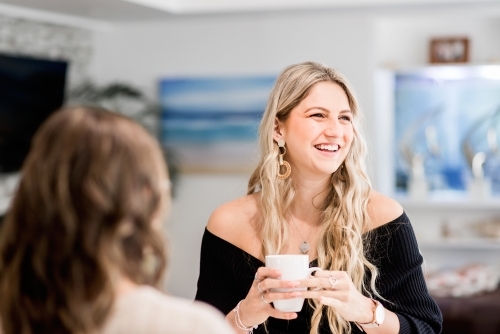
[(30, 90)]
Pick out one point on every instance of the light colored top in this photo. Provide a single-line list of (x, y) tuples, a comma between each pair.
[(145, 310)]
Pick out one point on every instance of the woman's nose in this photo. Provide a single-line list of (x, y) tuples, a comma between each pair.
[(333, 128)]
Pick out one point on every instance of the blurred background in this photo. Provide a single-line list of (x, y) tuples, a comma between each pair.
[(197, 74)]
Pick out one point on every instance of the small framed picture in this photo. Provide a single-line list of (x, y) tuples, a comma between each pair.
[(449, 50)]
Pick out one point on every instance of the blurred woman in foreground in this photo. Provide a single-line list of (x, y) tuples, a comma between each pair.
[(82, 246)]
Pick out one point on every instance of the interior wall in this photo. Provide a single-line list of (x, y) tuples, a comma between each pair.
[(196, 198), (404, 41), (233, 44)]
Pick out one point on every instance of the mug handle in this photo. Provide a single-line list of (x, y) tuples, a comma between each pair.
[(311, 271)]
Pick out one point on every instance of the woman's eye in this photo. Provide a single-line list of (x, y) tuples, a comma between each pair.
[(318, 115), (345, 118)]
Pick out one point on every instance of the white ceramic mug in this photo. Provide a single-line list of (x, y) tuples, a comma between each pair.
[(293, 268)]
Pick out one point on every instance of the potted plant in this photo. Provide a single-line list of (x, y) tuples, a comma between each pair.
[(130, 101)]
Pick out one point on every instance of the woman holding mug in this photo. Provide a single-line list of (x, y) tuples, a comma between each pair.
[(81, 247), (310, 194)]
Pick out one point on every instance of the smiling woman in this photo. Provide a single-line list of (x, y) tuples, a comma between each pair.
[(322, 206)]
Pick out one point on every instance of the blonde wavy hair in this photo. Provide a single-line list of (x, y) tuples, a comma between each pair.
[(343, 214), (92, 187)]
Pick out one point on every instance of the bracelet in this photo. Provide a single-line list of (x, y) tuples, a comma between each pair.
[(238, 322)]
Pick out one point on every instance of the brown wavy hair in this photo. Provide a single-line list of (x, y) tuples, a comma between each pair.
[(92, 186)]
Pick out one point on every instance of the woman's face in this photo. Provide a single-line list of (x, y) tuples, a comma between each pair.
[(318, 132)]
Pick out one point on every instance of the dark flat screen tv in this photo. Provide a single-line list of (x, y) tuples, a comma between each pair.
[(30, 90)]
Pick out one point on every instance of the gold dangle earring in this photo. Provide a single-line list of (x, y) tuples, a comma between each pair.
[(281, 162)]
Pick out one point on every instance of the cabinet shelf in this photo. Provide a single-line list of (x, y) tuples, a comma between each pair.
[(465, 244), (456, 204)]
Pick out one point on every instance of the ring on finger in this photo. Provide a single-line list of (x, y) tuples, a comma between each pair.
[(333, 281), (263, 299), (258, 287)]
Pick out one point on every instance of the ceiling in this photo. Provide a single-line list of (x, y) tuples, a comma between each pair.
[(127, 10), (218, 6), (99, 10)]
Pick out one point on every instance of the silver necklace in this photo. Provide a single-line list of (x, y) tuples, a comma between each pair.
[(304, 246)]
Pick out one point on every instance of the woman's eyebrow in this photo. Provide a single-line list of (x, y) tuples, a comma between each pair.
[(320, 108), (347, 111), (328, 111)]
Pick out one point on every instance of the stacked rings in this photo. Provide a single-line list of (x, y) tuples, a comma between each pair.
[(260, 290)]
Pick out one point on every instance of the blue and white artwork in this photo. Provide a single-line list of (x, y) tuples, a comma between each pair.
[(440, 109), (211, 123)]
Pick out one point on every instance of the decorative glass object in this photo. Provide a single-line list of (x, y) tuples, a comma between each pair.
[(447, 115)]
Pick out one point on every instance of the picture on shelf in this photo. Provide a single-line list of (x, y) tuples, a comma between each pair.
[(449, 50), (211, 123)]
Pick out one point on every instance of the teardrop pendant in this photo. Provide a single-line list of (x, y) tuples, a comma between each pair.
[(304, 247)]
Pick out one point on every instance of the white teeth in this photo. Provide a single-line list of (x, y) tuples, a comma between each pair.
[(331, 148)]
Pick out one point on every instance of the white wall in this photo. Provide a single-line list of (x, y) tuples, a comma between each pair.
[(403, 42), (354, 41), (197, 197), (236, 44)]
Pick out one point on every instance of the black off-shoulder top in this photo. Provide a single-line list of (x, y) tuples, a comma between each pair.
[(227, 272)]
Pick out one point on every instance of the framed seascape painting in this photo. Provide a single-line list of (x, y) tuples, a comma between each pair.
[(211, 123)]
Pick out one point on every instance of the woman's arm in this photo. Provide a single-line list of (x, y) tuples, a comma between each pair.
[(228, 274), (390, 245), (401, 281)]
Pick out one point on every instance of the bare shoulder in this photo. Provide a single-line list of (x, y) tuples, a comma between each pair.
[(382, 209), (235, 221)]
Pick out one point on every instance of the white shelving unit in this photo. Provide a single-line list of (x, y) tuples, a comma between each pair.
[(464, 244), (447, 211), (461, 244), (492, 204)]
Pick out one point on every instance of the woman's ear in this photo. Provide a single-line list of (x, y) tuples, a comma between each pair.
[(277, 133)]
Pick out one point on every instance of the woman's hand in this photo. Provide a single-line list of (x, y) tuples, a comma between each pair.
[(336, 289), (256, 307)]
